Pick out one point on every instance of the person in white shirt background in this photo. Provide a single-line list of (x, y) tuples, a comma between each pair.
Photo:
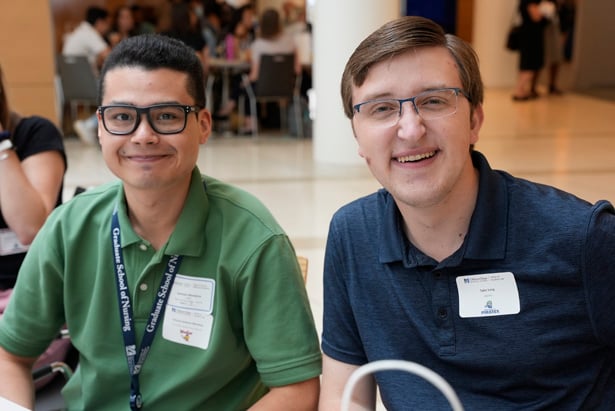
[(88, 39)]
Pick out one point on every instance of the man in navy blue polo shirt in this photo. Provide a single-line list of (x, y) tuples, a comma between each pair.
[(502, 286)]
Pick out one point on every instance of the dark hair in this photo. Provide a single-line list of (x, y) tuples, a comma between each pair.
[(237, 18), (212, 7), (242, 10), (8, 118), (116, 18), (156, 51), (180, 19), (269, 24), (404, 34), (93, 14), (5, 110)]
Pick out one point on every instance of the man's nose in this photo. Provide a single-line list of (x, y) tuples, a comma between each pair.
[(409, 123), (144, 133)]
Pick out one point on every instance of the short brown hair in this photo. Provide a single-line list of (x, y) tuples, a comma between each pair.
[(270, 25), (404, 34)]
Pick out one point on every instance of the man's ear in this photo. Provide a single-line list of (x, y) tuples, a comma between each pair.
[(204, 118), (476, 122)]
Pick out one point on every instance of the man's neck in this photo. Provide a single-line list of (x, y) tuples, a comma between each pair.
[(440, 231), (154, 214)]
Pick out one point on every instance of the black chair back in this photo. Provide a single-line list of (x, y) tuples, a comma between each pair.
[(278, 82), (276, 76), (77, 78)]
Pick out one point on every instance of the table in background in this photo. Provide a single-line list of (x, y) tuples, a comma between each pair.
[(223, 68)]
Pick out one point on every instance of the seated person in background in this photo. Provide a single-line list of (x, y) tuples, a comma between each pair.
[(32, 167), (211, 27), (199, 273), (236, 46), (142, 25), (504, 287), (185, 26), (238, 40), (271, 39), (88, 39), (123, 25)]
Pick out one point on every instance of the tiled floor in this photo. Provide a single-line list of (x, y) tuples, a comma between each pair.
[(567, 141)]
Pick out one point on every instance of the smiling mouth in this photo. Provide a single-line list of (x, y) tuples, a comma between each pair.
[(418, 157)]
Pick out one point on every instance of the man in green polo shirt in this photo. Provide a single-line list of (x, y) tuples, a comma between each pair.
[(179, 291)]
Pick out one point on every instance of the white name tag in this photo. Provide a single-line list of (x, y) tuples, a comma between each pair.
[(484, 295), (9, 244), (188, 317)]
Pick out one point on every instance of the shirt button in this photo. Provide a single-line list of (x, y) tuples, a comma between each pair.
[(442, 313), (143, 287), (143, 247)]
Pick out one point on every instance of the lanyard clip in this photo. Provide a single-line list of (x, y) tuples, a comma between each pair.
[(136, 402)]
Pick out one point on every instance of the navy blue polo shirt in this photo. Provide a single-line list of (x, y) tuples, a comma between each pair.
[(385, 299)]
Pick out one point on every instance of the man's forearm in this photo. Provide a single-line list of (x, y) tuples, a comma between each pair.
[(16, 379)]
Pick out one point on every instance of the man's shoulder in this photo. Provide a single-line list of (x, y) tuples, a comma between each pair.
[(35, 134), (364, 214), (229, 199), (36, 124), (226, 191), (90, 201), (369, 203)]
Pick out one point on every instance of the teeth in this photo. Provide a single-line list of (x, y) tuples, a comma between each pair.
[(416, 157)]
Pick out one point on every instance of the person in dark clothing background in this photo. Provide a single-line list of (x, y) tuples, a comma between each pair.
[(531, 49)]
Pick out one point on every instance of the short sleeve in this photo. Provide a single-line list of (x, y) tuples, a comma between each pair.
[(340, 337), (277, 319), (599, 267)]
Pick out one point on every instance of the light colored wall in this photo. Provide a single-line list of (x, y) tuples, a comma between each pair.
[(27, 58), (491, 22)]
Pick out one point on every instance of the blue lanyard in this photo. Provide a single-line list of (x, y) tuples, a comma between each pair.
[(126, 315)]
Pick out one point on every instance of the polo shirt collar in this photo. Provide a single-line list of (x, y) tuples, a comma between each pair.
[(486, 239), (188, 237)]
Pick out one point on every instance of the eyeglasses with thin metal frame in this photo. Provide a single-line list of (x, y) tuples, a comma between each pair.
[(429, 105), (123, 119)]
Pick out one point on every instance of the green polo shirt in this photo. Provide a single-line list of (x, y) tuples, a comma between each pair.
[(262, 334)]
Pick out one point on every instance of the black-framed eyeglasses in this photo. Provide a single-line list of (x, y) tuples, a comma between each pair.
[(123, 119), (429, 105)]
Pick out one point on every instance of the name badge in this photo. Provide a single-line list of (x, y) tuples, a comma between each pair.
[(486, 295), (188, 317)]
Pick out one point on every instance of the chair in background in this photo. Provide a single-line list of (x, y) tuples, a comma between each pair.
[(278, 82), (78, 86), (303, 264)]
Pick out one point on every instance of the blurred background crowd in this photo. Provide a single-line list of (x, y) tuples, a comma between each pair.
[(216, 30)]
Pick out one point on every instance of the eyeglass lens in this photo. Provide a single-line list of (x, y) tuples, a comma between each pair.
[(429, 105), (164, 119)]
